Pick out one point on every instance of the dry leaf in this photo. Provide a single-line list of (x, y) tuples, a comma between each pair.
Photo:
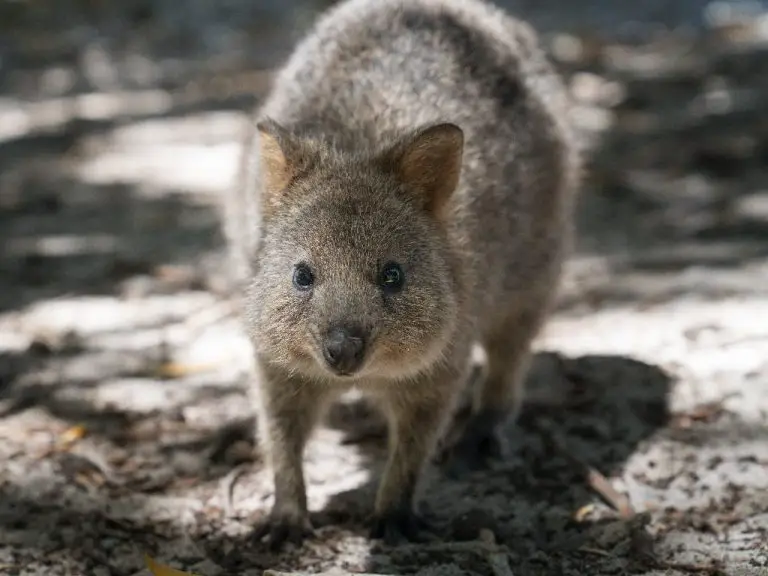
[(90, 479), (65, 441), (161, 570), (583, 512), (73, 434), (175, 370), (595, 479)]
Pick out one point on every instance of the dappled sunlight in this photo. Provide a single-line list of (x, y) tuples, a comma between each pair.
[(21, 117), (61, 245), (195, 168), (126, 418)]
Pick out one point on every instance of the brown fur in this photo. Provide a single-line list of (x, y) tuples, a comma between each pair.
[(433, 134)]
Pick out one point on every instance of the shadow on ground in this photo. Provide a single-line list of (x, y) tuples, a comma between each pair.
[(583, 415), (529, 499)]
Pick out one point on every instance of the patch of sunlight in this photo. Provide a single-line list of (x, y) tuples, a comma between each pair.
[(18, 117), (91, 315), (191, 167), (147, 395), (12, 341), (657, 333), (62, 245), (333, 468), (753, 206), (222, 344), (209, 127)]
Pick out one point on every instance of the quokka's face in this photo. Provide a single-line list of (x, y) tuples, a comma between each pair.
[(353, 285)]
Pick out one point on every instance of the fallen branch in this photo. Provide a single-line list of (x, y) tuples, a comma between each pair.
[(596, 481), (228, 487), (605, 489)]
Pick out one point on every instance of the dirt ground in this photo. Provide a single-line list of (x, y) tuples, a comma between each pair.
[(124, 415)]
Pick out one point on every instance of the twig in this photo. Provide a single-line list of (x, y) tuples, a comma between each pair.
[(228, 487), (605, 489), (599, 483)]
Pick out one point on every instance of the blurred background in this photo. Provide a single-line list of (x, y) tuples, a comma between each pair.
[(121, 362), (118, 122)]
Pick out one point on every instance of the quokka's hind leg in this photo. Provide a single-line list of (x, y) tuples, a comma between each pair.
[(500, 394), (476, 375)]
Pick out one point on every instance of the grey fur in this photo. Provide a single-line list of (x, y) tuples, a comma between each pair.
[(370, 75)]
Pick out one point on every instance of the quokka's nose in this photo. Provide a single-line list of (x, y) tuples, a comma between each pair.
[(344, 348)]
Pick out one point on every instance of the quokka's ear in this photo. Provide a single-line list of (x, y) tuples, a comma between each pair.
[(428, 161), (281, 158)]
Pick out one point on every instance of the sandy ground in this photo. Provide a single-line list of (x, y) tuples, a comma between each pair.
[(124, 418)]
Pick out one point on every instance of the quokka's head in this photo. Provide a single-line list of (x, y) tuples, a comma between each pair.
[(354, 276)]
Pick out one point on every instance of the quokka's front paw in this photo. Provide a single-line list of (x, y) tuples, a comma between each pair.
[(399, 526), (282, 528)]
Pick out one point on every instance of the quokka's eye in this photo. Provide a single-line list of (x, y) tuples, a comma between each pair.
[(303, 279), (392, 277)]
